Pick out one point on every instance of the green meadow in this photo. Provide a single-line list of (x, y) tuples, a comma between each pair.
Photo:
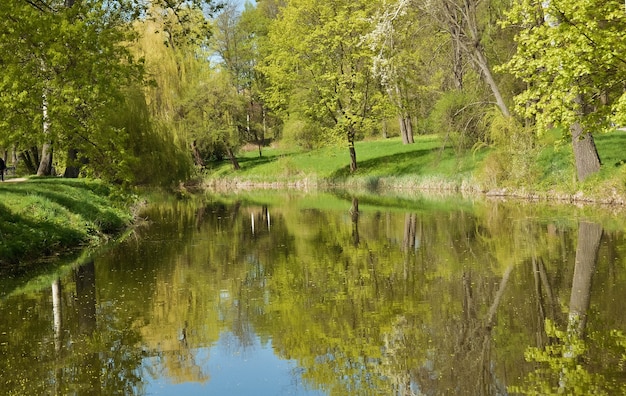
[(545, 169)]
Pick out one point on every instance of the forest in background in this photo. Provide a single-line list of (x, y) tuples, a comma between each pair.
[(151, 92)]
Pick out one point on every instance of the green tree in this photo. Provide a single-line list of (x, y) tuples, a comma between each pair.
[(570, 55), (68, 65), (320, 66), (397, 58)]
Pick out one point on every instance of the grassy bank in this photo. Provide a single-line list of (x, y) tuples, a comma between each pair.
[(43, 217), (544, 170)]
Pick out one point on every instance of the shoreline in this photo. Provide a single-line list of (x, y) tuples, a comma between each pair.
[(386, 186)]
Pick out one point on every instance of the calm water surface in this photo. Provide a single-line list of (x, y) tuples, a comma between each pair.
[(304, 295)]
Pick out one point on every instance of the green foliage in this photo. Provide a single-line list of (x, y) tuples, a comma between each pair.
[(458, 117), (318, 62), (152, 156), (568, 54), (302, 133), (514, 158), (73, 67)]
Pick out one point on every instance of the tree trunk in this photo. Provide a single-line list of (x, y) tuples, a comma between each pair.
[(72, 170), (34, 151), (233, 159), (459, 19), (585, 152), (482, 64), (409, 129), (406, 129), (45, 166), (403, 133), (457, 57), (14, 156), (197, 158), (353, 166), (28, 162), (385, 129)]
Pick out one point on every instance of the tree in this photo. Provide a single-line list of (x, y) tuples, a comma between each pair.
[(318, 58), (236, 42), (389, 65), (73, 63), (570, 55), (67, 66), (460, 19)]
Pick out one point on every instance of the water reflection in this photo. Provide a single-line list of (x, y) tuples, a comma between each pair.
[(291, 298)]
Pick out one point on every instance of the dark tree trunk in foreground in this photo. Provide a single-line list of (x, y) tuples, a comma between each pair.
[(28, 162), (197, 158), (72, 170), (45, 166), (353, 166), (585, 152), (351, 136)]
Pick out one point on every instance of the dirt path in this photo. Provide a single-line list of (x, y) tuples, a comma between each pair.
[(15, 180)]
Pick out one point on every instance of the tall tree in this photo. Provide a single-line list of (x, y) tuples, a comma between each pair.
[(387, 62), (460, 19), (570, 55), (318, 58)]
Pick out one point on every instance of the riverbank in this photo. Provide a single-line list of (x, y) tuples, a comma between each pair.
[(42, 217), (541, 171)]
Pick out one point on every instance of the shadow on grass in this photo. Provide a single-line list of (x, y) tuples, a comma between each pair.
[(92, 186), (394, 165), (611, 148), (248, 163), (24, 239), (106, 220)]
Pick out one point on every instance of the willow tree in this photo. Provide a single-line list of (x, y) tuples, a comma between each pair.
[(66, 65), (318, 59), (570, 54)]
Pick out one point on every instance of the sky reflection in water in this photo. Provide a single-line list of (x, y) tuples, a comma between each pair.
[(233, 369)]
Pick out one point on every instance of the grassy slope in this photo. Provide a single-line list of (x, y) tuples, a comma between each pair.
[(425, 164), (376, 159), (40, 217)]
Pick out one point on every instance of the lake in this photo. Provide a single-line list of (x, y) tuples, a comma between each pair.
[(329, 294)]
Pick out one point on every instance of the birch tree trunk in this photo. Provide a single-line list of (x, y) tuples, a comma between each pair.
[(45, 165)]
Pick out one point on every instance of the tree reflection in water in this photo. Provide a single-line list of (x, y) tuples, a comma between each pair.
[(362, 299)]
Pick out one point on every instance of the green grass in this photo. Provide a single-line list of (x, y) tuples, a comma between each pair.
[(389, 159), (548, 169), (40, 217)]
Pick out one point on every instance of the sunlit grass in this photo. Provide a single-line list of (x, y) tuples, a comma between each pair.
[(388, 158), (43, 216), (428, 164)]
